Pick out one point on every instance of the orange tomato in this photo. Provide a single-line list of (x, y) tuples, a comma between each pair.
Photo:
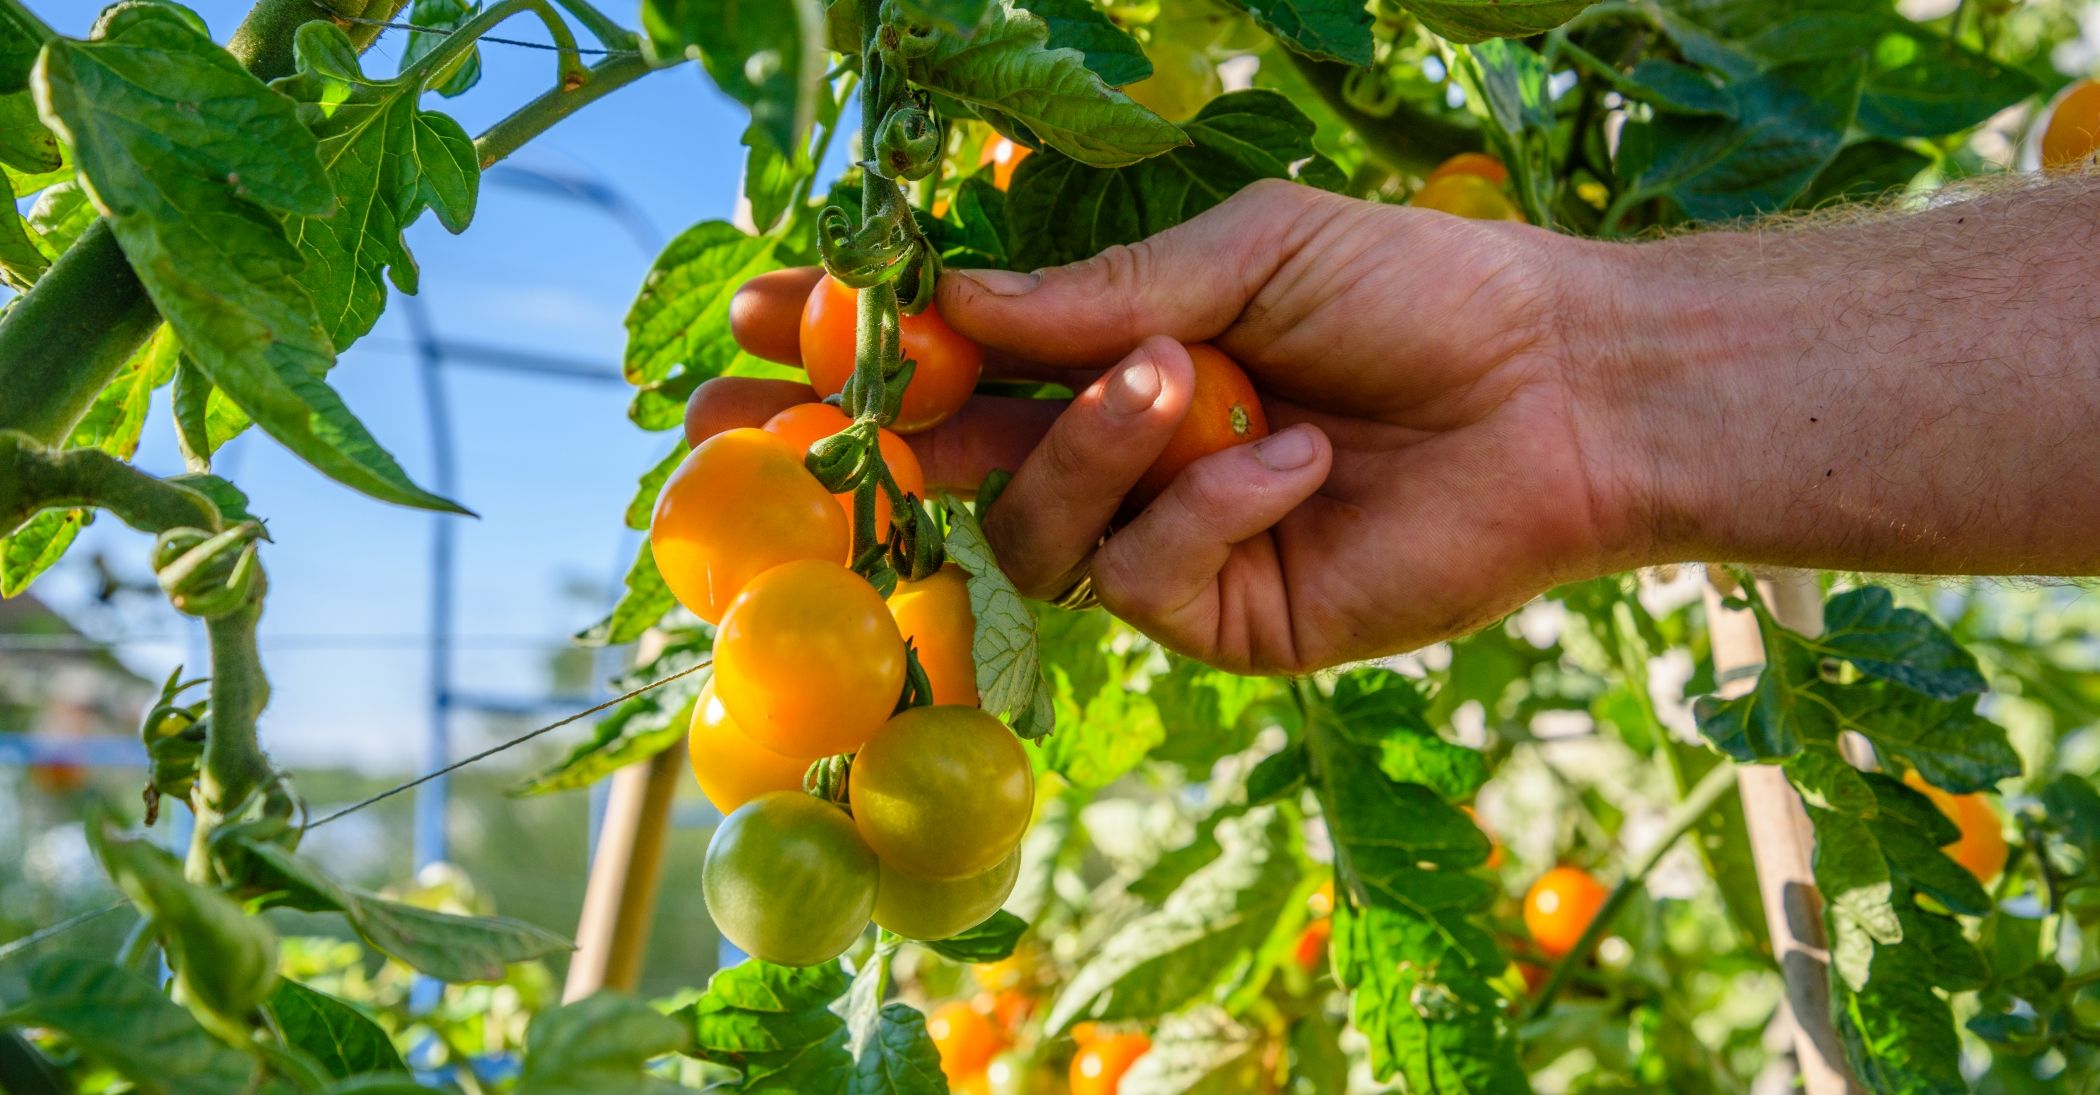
[(2074, 126), (1471, 163), (1087, 1033), (1981, 847), (1311, 949), (1494, 858), (1322, 900), (1098, 1068), (948, 363), (967, 1039), (935, 617), (733, 769), (1468, 196), (738, 505), (1010, 1008), (1224, 412), (805, 424), (1560, 906), (808, 659), (1003, 156)]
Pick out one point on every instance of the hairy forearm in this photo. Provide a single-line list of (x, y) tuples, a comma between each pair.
[(1913, 393)]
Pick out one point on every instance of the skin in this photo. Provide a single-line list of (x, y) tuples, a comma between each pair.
[(1468, 413)]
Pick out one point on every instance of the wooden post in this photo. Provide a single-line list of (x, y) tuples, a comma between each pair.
[(1781, 841)]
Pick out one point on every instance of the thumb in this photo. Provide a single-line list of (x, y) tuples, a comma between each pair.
[(1189, 283)]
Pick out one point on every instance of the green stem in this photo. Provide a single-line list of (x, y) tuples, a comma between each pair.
[(35, 477), (569, 71), (1409, 140), (233, 766), (539, 115), (603, 27), (1702, 798)]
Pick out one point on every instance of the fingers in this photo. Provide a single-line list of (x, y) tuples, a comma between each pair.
[(988, 433), (1067, 491), (765, 315), (1169, 572), (1189, 282)]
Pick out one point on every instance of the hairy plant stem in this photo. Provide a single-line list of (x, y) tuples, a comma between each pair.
[(1704, 796), (540, 114)]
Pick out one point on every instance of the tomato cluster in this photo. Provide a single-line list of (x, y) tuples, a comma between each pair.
[(986, 1049)]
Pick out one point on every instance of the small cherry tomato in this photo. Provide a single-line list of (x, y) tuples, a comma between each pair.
[(1311, 949), (1011, 1074), (788, 880), (1560, 906), (808, 659), (1183, 81), (917, 909), (1014, 972), (935, 617), (1009, 1009), (1098, 1069), (1321, 901), (2073, 131), (808, 423), (942, 792), (1003, 156), (1087, 1033), (1224, 412), (1471, 163), (1981, 848), (1468, 196), (948, 363), (736, 506), (967, 1039), (733, 769)]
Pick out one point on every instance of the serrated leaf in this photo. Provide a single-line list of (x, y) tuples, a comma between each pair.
[(1466, 21), (441, 16), (776, 1023), (1419, 995), (1865, 627), (1924, 85), (991, 941), (1010, 682), (1078, 24), (1007, 72), (1679, 88), (644, 601), (1864, 171), (1774, 719), (1948, 743), (1788, 125), (1203, 939), (637, 729), (1201, 1052), (1381, 710), (25, 145), (600, 1044), (387, 159), (205, 419), (341, 1038), (35, 547), (765, 54), (123, 1021), (681, 316), (1062, 210), (224, 960), (1335, 30), (193, 199), (957, 16), (770, 179), (897, 1056)]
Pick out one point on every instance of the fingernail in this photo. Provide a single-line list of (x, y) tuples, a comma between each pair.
[(1134, 388), (1002, 283), (1286, 451)]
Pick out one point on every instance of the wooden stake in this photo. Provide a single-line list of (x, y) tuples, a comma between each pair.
[(1781, 842)]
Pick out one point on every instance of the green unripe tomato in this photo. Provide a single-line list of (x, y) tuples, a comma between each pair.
[(942, 792), (788, 880), (917, 909)]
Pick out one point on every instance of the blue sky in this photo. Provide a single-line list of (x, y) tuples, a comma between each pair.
[(548, 464)]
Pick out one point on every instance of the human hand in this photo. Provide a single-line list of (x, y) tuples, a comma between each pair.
[(1438, 457)]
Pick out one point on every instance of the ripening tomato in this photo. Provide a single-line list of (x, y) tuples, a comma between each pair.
[(1311, 948), (1098, 1069), (1011, 1074), (917, 909), (1321, 901), (733, 769), (935, 617), (1009, 1009), (806, 424), (1471, 163), (1224, 412), (788, 879), (1183, 81), (1981, 847), (942, 792), (948, 363), (736, 506), (1560, 906), (1004, 156), (1468, 196), (1014, 972), (808, 659), (1088, 1033), (2074, 126), (966, 1038)]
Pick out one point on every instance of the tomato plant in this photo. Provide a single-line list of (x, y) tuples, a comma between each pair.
[(733, 769), (789, 880), (1559, 906), (738, 506), (805, 424), (808, 660), (945, 364), (1098, 1069), (934, 615), (942, 793)]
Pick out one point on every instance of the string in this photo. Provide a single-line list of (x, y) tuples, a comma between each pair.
[(486, 39), (16, 946)]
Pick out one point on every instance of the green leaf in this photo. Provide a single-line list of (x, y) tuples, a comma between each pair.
[(897, 1056), (765, 54), (1336, 30), (776, 1023), (25, 145), (637, 729), (957, 16), (681, 317), (1419, 995), (979, 239), (1788, 126), (1864, 171), (205, 419), (1923, 85), (1200, 1052), (1773, 720), (1111, 53), (1864, 626), (990, 941), (343, 1039), (387, 160), (35, 547), (123, 1021), (1401, 842), (1062, 210), (1010, 682), (1378, 709), (1465, 21), (1204, 941), (1008, 73), (1105, 725), (443, 15), (225, 961), (642, 507), (21, 36), (599, 1044), (644, 602), (1949, 744), (1679, 88), (192, 193), (770, 179)]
